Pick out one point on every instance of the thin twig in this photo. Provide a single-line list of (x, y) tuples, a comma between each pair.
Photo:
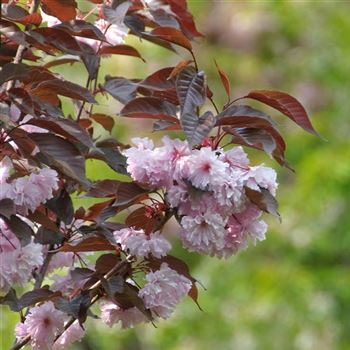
[(21, 48)]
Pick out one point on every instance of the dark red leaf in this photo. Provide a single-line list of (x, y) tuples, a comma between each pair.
[(22, 72), (37, 296), (62, 206), (184, 17), (45, 236), (13, 32), (268, 140), (190, 87), (22, 100), (67, 88), (120, 50), (56, 38), (90, 244), (178, 68), (123, 192), (105, 120), (19, 14), (43, 220), (143, 219), (60, 61), (150, 107), (64, 127), (121, 89), (21, 229), (225, 81), (172, 35), (7, 207), (264, 200), (81, 28), (287, 105), (196, 129), (64, 10), (106, 262), (62, 155)]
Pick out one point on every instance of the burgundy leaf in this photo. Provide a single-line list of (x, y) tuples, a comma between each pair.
[(190, 87), (224, 80), (150, 107), (287, 105), (61, 155), (105, 120), (121, 89), (64, 127), (120, 50), (178, 68), (90, 244), (64, 10), (196, 129), (66, 88), (173, 36), (21, 229), (81, 28), (143, 219), (264, 200), (123, 192)]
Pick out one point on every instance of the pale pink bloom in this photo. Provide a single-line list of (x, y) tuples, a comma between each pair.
[(16, 262), (42, 324), (236, 157), (262, 176), (61, 259), (66, 284), (242, 227), (164, 290), (5, 168), (141, 245), (204, 168), (145, 165), (29, 192), (72, 334), (128, 318), (203, 233)]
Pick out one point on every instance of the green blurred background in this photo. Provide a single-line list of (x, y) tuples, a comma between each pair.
[(292, 291)]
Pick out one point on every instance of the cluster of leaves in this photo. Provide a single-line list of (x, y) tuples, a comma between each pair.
[(171, 96)]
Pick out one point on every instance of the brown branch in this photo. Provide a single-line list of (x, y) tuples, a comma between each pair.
[(21, 48)]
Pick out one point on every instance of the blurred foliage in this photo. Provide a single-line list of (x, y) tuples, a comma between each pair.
[(292, 290)]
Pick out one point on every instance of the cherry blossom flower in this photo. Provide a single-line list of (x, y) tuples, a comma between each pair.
[(72, 334), (128, 318), (164, 290), (203, 232), (205, 168), (142, 245), (16, 262), (61, 259), (29, 192), (43, 323)]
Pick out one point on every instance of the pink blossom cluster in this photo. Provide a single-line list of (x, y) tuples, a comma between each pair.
[(206, 187), (27, 192), (141, 245), (16, 262), (44, 323), (163, 290)]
